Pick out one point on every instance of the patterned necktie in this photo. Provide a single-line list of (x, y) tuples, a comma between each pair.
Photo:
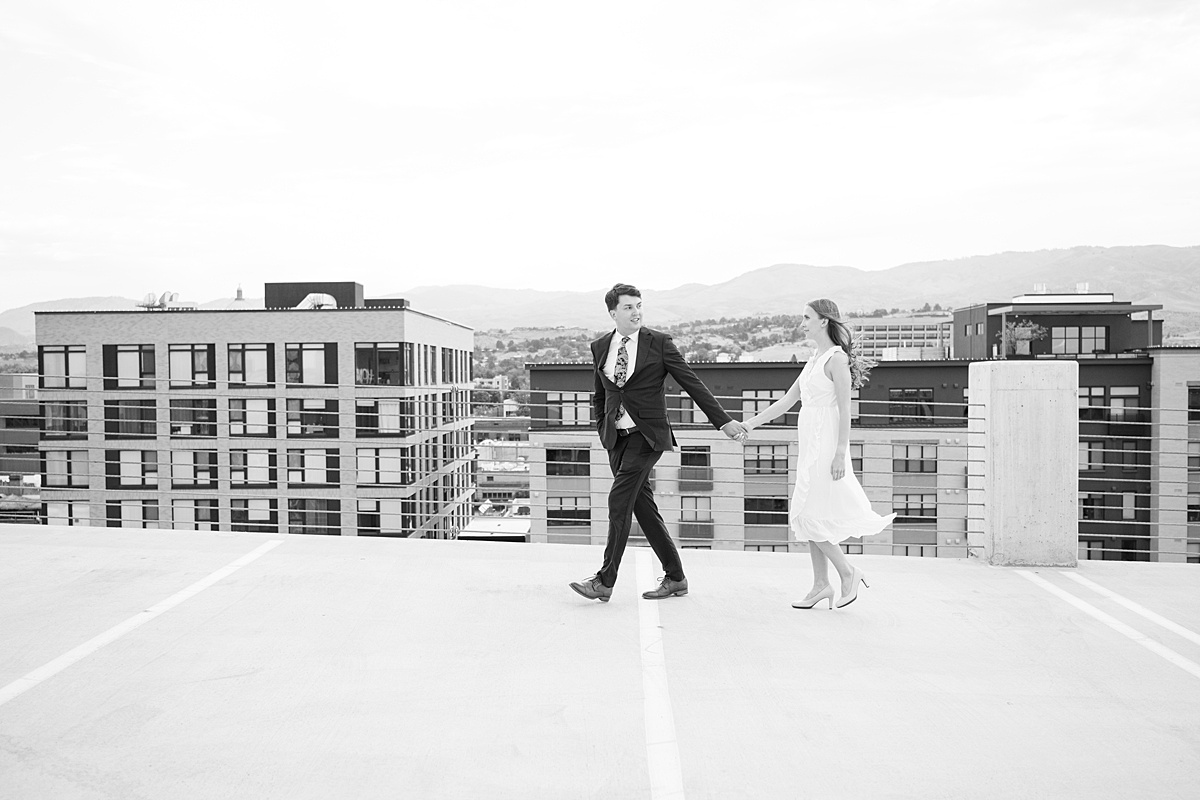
[(621, 370)]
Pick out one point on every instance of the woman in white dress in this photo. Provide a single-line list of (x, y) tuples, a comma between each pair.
[(828, 504)]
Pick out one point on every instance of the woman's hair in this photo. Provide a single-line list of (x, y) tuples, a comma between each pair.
[(841, 335)]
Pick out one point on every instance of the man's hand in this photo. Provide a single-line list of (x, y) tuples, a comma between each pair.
[(735, 430)]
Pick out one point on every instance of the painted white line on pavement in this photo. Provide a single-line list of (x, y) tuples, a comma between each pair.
[(1120, 627), (22, 685), (1157, 619), (662, 749)]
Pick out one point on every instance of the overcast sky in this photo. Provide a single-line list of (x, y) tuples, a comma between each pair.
[(167, 145)]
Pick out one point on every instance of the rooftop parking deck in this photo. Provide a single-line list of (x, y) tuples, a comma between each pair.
[(342, 667)]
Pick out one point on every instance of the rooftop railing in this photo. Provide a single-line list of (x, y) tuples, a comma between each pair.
[(1128, 500)]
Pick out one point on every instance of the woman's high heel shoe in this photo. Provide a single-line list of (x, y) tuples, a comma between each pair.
[(824, 594), (853, 595)]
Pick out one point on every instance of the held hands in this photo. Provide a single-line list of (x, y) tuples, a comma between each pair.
[(736, 431)]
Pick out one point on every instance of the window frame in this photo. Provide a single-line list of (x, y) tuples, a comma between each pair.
[(119, 469), (241, 467), (922, 513), (76, 471), (367, 364), (569, 408), (575, 467), (116, 360), (197, 361), (74, 366), (211, 521), (312, 418), (331, 468), (143, 425), (201, 464), (197, 415), (241, 519), (241, 351), (911, 405), (62, 425), (775, 515), (325, 511), (367, 409), (240, 417), (903, 462), (370, 463), (568, 511), (296, 366), (754, 463)]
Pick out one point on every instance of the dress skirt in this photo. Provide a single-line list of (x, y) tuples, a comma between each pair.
[(822, 509)]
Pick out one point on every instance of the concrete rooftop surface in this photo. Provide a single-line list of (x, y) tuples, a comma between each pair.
[(166, 664)]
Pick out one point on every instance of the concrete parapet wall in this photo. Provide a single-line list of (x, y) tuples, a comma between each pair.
[(1024, 467)]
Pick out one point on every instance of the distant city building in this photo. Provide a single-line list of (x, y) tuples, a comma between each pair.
[(503, 455), (502, 471), (1081, 325), (323, 413), (20, 419), (913, 338)]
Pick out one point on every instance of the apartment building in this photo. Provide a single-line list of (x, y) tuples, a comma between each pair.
[(909, 451), (324, 413)]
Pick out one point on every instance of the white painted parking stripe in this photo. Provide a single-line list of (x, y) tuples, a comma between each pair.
[(1175, 628), (662, 749), (24, 684), (1120, 627)]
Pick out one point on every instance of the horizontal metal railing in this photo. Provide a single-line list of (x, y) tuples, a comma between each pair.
[(425, 416)]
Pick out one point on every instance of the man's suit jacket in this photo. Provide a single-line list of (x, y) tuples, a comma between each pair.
[(644, 394)]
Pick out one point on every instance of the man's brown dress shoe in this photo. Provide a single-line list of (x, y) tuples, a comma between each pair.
[(593, 589), (668, 588)]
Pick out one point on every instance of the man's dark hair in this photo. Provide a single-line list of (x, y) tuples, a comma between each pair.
[(614, 294)]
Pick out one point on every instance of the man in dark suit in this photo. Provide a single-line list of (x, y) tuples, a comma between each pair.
[(630, 407)]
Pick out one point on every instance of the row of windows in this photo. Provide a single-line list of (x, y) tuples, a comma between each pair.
[(134, 366), (384, 517), (256, 416), (1064, 340), (759, 459), (1111, 403), (124, 469), (1129, 454), (913, 406), (575, 511), (1106, 507), (932, 327), (1126, 549), (1073, 340)]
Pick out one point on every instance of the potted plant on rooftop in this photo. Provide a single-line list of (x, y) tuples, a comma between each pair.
[(1016, 335)]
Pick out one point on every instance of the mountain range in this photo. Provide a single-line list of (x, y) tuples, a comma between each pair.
[(1141, 274)]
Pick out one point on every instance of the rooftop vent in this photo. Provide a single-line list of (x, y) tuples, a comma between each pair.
[(317, 300), (169, 301)]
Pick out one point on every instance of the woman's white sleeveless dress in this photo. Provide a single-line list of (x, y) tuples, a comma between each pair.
[(823, 509)]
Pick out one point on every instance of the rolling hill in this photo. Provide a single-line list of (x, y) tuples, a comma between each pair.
[(1150, 273)]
